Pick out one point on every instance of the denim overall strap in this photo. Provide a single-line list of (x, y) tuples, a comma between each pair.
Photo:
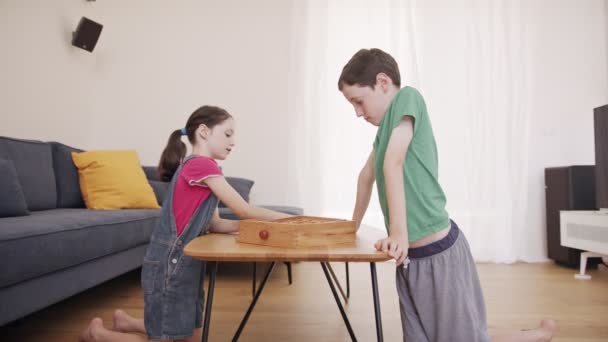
[(179, 263), (165, 236), (172, 281), (166, 249), (176, 261)]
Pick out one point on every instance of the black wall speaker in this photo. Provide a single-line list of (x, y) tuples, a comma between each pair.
[(86, 34), (567, 188)]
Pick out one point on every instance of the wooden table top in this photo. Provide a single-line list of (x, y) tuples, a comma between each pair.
[(224, 247)]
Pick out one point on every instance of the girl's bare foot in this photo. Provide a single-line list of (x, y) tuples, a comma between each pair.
[(547, 328), (93, 331), (122, 322)]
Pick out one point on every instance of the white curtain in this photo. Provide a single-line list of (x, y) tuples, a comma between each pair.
[(472, 61)]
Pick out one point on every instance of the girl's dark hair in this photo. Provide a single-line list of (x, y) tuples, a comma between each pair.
[(175, 151), (365, 65)]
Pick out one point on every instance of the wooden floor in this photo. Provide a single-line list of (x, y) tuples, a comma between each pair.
[(517, 296)]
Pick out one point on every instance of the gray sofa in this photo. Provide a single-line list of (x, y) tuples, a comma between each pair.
[(51, 246)]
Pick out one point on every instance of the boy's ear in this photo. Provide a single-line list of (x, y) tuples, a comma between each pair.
[(383, 81)]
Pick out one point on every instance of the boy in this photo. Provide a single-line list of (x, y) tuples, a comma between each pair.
[(439, 292)]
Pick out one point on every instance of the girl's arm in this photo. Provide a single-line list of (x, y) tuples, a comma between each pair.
[(220, 225), (237, 204), (365, 182), (397, 243)]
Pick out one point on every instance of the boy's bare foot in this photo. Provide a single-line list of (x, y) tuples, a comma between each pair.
[(547, 328), (122, 322), (93, 331)]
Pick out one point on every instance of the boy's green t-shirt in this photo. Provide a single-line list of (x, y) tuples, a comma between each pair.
[(425, 200)]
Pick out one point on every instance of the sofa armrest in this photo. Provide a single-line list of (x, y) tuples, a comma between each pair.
[(228, 214)]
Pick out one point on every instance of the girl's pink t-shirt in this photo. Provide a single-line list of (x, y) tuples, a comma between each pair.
[(189, 194)]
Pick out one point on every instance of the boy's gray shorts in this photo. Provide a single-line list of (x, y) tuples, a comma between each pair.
[(439, 293)]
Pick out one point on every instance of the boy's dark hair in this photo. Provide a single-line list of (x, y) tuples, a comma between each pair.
[(365, 65), (175, 151)]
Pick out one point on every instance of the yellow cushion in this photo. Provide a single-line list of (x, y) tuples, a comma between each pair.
[(113, 180)]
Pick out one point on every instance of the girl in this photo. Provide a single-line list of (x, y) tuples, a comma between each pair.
[(172, 281)]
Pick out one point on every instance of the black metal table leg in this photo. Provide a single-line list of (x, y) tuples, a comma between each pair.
[(335, 293), (372, 266), (209, 301), (347, 281), (333, 275), (252, 305), (254, 279), (288, 271)]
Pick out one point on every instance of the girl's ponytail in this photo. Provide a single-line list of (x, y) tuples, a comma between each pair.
[(172, 156)]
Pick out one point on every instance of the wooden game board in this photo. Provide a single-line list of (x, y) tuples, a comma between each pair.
[(306, 220), (297, 232)]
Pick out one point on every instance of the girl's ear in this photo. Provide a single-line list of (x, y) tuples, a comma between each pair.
[(203, 131)]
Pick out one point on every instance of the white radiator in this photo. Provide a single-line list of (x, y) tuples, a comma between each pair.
[(586, 230)]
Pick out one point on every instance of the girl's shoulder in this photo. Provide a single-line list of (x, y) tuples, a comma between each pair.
[(200, 166), (200, 160)]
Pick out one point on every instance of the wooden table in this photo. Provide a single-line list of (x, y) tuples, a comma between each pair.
[(224, 247)]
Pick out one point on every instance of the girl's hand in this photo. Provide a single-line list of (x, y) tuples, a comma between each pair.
[(396, 247)]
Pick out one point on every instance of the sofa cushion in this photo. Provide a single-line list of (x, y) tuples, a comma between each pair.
[(150, 172), (66, 176), (51, 240), (34, 164), (12, 200), (241, 185), (228, 214), (160, 190)]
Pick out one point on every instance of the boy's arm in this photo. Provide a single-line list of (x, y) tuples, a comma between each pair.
[(220, 225), (365, 183), (397, 242)]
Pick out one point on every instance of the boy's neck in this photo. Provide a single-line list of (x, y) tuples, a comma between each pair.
[(392, 92), (390, 96)]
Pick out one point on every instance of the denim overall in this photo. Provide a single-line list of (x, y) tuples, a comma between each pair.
[(172, 281)]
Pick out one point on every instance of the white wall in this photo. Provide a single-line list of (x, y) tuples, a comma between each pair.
[(556, 49), (155, 62), (569, 81)]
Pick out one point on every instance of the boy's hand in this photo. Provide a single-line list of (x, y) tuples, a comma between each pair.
[(396, 247)]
